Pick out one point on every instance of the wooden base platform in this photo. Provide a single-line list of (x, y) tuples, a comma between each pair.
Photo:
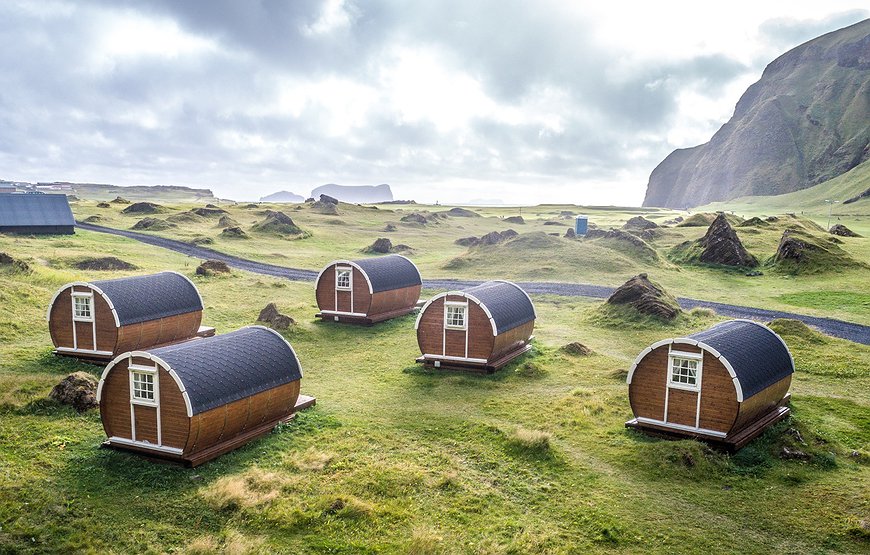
[(731, 442), (488, 367), (196, 459), (364, 320)]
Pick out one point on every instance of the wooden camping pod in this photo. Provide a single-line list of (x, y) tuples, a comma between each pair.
[(368, 291), (101, 319), (724, 384), (482, 328), (195, 400)]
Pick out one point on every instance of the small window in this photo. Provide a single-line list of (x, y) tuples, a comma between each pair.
[(342, 278), (83, 308), (455, 317), (684, 372), (143, 386)]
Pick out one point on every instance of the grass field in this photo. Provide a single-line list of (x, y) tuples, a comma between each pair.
[(534, 459)]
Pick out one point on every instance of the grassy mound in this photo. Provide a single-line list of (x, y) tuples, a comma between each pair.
[(645, 298), (278, 223), (143, 208), (152, 224), (626, 243), (106, 263), (185, 218), (800, 252)]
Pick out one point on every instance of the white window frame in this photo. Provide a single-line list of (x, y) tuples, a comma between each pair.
[(89, 297), (697, 358), (454, 304), (148, 371), (340, 270)]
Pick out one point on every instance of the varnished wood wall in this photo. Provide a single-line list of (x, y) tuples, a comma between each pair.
[(383, 302)]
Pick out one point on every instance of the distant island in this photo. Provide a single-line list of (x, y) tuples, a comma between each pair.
[(355, 193), (282, 196)]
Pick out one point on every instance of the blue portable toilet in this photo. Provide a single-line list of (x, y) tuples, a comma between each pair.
[(581, 224)]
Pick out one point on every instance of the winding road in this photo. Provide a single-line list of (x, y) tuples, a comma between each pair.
[(830, 326)]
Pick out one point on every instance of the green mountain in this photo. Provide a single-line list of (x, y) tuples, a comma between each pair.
[(804, 122)]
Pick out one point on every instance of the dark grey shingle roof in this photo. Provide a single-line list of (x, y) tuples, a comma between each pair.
[(141, 298), (35, 210), (224, 368), (509, 305), (758, 356), (390, 272)]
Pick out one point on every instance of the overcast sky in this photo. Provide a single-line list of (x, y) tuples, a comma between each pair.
[(526, 102)]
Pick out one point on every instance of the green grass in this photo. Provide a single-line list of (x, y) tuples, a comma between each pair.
[(846, 301), (395, 458)]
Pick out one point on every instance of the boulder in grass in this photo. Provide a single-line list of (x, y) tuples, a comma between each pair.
[(515, 220), (390, 227), (722, 246), (381, 245), (13, 263), (842, 231), (328, 199), (212, 267), (327, 208), (646, 297), (78, 390), (270, 315), (570, 234)]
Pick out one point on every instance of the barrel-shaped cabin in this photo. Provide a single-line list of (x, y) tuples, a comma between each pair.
[(368, 291), (193, 401), (724, 384), (100, 319), (481, 328)]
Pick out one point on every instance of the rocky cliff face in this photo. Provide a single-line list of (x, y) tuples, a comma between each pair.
[(350, 193), (805, 121)]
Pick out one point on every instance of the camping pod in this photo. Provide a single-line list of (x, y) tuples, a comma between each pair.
[(101, 319), (195, 400), (368, 291), (482, 328), (724, 384)]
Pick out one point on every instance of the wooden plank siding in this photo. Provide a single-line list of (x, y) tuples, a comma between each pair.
[(646, 393), (718, 395), (151, 333), (761, 403), (375, 306)]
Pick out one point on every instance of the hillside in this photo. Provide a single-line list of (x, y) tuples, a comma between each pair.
[(805, 121), (166, 193), (355, 193)]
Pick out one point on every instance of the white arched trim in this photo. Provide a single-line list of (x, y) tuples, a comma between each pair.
[(458, 294), (284, 339), (349, 263), (523, 291), (159, 361), (702, 346), (90, 286), (202, 304)]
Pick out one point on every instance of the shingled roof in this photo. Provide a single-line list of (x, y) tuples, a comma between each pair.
[(142, 298), (22, 210), (508, 305), (758, 356), (386, 273), (218, 370)]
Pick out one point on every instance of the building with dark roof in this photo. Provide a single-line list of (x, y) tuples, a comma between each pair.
[(369, 290), (36, 214), (726, 383), (100, 319), (195, 400), (481, 328)]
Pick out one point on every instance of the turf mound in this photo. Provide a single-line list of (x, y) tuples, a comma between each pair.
[(461, 213), (275, 319), (143, 208), (570, 234), (78, 390), (234, 233), (414, 218), (515, 220), (788, 327), (103, 205), (94, 219), (720, 245), (381, 245), (106, 263), (491, 238), (800, 252), (623, 242), (227, 221), (13, 264), (185, 217), (212, 267), (702, 219), (577, 349), (202, 240), (327, 208), (646, 298), (120, 200), (390, 227), (278, 223), (210, 211), (210, 205), (842, 231), (551, 222), (152, 224), (639, 223), (755, 221)]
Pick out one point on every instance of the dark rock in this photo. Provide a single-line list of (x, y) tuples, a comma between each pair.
[(234, 233), (152, 224), (722, 246), (795, 433), (467, 241), (120, 200), (327, 208), (368, 194), (78, 390), (106, 263), (211, 267), (550, 222), (856, 198), (793, 454), (646, 297), (639, 223), (570, 234), (103, 205), (275, 319), (414, 218), (390, 227), (142, 208), (515, 220), (309, 199), (577, 349), (329, 199), (381, 245), (13, 263), (842, 231), (210, 205)]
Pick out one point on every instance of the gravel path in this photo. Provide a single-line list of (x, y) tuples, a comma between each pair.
[(830, 326)]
